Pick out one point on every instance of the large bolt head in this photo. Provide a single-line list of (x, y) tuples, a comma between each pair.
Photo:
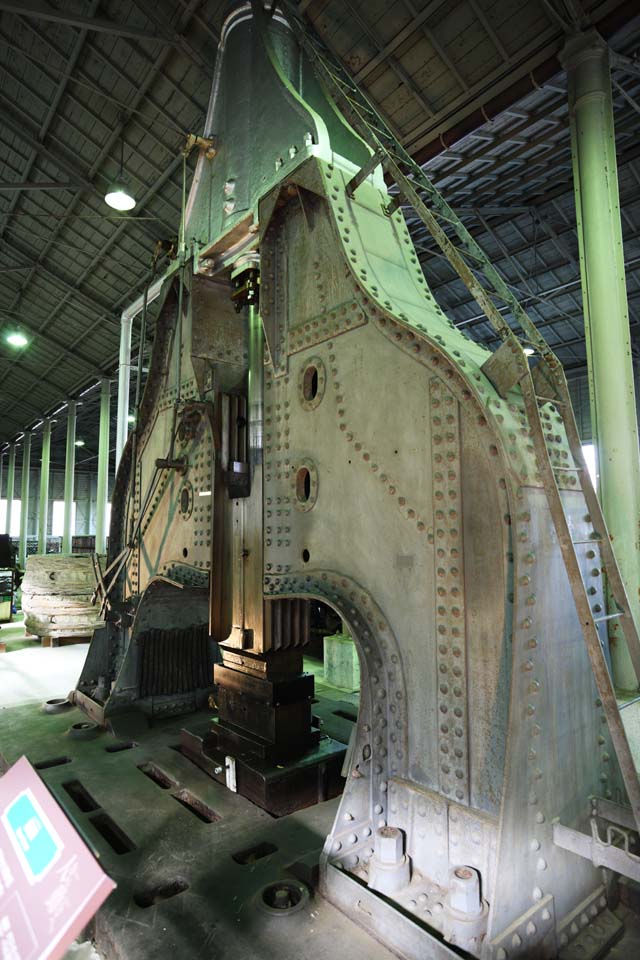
[(464, 890), (389, 845)]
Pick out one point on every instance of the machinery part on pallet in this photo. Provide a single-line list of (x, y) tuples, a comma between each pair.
[(57, 705), (57, 597), (344, 444)]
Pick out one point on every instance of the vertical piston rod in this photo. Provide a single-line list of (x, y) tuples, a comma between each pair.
[(256, 386)]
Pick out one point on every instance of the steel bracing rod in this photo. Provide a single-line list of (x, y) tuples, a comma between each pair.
[(125, 554), (414, 182), (136, 426), (581, 600)]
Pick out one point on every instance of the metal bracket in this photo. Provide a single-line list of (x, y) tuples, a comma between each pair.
[(614, 812), (506, 367), (230, 768), (613, 852), (207, 144)]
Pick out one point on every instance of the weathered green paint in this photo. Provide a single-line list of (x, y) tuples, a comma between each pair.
[(43, 508), (69, 471), (611, 384), (24, 499), (103, 467)]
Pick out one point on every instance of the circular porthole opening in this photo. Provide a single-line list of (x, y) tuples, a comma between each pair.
[(306, 556), (310, 383), (185, 552), (184, 499), (312, 380), (303, 485)]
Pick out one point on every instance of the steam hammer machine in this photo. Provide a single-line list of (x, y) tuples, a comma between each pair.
[(314, 427)]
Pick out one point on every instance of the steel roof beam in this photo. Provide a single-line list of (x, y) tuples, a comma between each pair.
[(40, 185), (54, 342), (141, 93), (388, 48), (25, 130), (70, 65), (551, 292), (124, 299), (390, 61), (95, 24)]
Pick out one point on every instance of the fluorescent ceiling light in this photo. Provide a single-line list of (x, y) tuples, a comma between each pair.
[(529, 351), (119, 196), (16, 339), (79, 443), (131, 418)]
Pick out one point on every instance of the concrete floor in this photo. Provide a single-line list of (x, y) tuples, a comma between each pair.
[(216, 912), (30, 672)]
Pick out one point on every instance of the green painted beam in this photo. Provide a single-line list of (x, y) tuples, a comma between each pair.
[(606, 315)]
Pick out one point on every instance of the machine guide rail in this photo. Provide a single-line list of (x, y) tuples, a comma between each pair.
[(508, 369)]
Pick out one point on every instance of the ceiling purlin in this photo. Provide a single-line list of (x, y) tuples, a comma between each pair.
[(433, 41), (493, 37), (47, 338), (72, 389), (44, 128), (84, 23), (157, 66), (390, 61)]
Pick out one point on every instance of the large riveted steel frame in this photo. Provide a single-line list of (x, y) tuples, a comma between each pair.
[(424, 520)]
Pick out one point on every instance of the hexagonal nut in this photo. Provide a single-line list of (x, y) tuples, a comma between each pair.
[(464, 890), (389, 844)]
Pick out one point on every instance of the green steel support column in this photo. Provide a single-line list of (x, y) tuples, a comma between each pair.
[(69, 470), (611, 385), (11, 479), (43, 506), (103, 467), (24, 499)]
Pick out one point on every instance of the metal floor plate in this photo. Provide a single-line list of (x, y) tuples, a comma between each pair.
[(190, 857)]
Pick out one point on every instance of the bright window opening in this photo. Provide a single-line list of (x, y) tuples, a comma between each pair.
[(589, 453), (15, 517), (57, 519)]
